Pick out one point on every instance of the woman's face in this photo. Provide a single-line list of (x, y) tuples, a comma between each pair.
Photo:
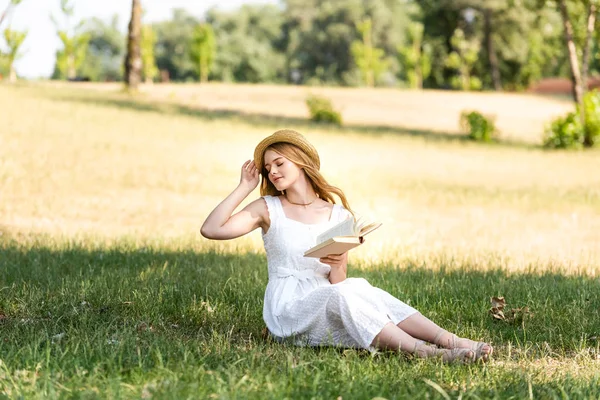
[(282, 172)]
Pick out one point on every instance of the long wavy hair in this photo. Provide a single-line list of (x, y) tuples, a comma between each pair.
[(321, 187)]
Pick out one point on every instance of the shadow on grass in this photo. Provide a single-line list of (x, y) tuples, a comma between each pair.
[(192, 294), (86, 316), (171, 108)]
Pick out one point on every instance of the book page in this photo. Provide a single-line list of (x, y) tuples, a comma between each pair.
[(344, 228), (369, 228)]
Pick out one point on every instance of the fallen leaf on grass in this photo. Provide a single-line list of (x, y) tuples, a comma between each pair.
[(514, 315), (498, 302), (517, 315)]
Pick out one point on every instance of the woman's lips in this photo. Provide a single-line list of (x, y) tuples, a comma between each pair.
[(276, 179)]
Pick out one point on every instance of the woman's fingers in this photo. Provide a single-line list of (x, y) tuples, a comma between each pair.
[(332, 258)]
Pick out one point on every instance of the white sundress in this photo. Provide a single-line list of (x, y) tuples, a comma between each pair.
[(300, 302)]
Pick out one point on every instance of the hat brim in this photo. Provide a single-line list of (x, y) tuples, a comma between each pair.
[(285, 136)]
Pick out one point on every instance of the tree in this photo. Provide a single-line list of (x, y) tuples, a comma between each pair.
[(14, 40), (172, 47), (72, 55), (572, 51), (592, 10), (133, 59), (105, 50), (462, 59), (148, 61), (415, 58), (318, 35), (202, 50), (250, 44), (369, 59)]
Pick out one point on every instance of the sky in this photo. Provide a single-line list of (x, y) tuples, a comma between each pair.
[(41, 44)]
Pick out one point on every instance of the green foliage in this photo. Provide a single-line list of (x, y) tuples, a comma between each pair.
[(477, 126), (317, 44), (591, 127), (569, 132), (202, 50), (415, 58), (14, 40), (370, 60), (72, 55), (564, 133), (321, 110), (105, 51), (172, 50), (249, 43), (462, 59), (147, 44), (74, 41)]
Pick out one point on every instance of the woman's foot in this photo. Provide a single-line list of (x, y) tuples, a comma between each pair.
[(448, 340), (424, 350)]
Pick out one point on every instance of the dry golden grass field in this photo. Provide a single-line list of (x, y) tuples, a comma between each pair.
[(88, 160)]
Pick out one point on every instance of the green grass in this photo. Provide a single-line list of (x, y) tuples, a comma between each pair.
[(86, 319)]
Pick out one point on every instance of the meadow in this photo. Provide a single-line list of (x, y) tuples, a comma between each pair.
[(107, 290)]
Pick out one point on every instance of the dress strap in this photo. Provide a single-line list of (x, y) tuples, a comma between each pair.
[(274, 207)]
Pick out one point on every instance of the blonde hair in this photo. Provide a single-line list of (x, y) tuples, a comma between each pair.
[(321, 187)]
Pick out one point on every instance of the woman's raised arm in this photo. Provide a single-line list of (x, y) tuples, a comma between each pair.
[(221, 225)]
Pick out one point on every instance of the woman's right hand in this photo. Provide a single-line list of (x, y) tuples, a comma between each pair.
[(249, 178)]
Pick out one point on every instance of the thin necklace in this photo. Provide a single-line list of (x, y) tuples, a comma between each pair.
[(300, 204)]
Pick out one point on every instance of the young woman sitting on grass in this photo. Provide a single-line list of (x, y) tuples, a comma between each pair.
[(310, 300)]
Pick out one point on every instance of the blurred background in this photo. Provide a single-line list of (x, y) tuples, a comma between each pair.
[(514, 45)]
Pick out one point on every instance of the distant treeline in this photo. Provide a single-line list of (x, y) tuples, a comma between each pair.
[(462, 44)]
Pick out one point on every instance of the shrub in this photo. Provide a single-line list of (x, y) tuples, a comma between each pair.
[(565, 133), (591, 128), (478, 126), (321, 110), (569, 132)]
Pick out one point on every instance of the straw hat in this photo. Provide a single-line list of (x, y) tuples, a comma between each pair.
[(285, 136)]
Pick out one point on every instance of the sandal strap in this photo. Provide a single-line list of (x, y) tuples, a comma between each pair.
[(438, 335)]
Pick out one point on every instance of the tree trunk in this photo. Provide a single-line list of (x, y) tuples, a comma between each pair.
[(491, 49), (575, 74), (12, 76), (133, 60), (585, 65), (71, 73)]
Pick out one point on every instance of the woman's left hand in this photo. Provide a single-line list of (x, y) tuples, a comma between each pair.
[(335, 260)]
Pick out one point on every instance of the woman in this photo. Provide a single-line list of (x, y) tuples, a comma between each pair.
[(308, 300)]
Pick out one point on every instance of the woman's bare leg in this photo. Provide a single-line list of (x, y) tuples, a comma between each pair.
[(392, 337), (419, 326)]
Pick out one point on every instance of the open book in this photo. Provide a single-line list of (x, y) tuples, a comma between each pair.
[(342, 237)]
